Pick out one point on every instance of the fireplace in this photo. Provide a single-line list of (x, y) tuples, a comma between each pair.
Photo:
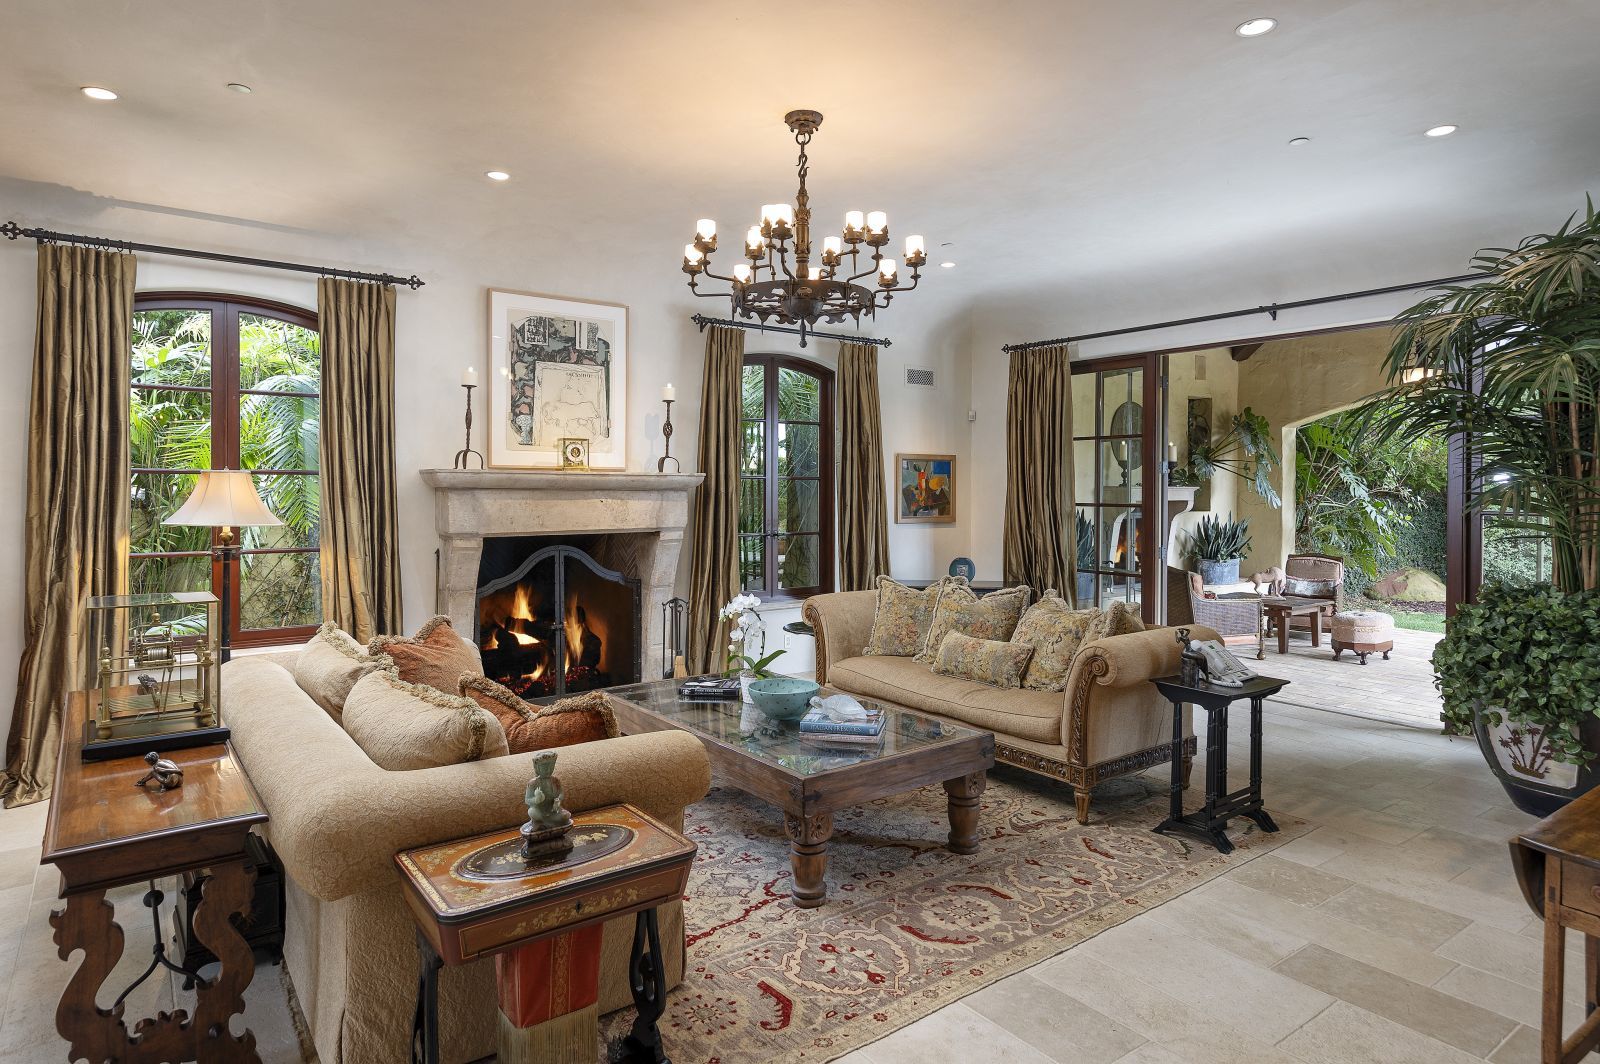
[(558, 615)]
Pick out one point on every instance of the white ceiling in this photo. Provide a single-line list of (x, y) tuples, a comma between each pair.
[(1069, 149)]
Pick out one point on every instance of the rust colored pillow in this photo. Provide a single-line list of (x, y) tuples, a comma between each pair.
[(435, 657), (579, 719)]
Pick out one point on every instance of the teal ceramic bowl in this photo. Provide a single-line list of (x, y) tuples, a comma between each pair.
[(783, 697)]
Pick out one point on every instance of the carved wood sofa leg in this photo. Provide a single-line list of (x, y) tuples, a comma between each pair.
[(1081, 796)]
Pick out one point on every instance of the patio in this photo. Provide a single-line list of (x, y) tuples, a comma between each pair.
[(1397, 691)]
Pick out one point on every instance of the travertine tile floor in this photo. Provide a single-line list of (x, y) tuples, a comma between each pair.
[(1392, 932)]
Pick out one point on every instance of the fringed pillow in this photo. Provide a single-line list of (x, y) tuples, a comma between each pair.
[(1055, 631), (900, 623), (329, 665), (580, 719), (403, 726), (436, 656), (958, 609), (994, 662)]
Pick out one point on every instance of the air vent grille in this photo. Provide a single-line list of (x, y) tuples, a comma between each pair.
[(921, 378)]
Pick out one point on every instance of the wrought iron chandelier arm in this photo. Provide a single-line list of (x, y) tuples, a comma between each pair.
[(877, 257)]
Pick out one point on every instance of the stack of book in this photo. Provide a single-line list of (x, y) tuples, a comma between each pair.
[(819, 728)]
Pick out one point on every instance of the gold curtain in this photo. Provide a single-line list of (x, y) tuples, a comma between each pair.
[(1039, 540), (360, 518), (714, 573), (76, 536), (863, 510)]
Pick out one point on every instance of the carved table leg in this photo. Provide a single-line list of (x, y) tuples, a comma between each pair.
[(227, 894), (647, 978), (808, 856), (963, 792), (86, 924)]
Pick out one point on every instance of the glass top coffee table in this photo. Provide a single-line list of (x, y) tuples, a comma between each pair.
[(809, 782)]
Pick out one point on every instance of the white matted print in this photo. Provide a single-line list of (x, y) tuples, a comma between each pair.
[(558, 369)]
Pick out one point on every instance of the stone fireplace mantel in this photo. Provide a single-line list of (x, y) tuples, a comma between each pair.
[(471, 505)]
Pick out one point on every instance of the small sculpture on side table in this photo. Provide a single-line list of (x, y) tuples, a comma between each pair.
[(545, 833), (166, 774), (1192, 668)]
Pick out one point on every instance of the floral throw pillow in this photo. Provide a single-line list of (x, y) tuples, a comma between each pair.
[(1299, 585), (1055, 631), (900, 624), (994, 616), (991, 661), (1121, 618)]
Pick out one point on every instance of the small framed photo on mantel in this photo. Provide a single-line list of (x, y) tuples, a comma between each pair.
[(927, 489), (558, 371)]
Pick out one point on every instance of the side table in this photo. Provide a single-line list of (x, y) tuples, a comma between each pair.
[(541, 920), (1209, 823), (1282, 611)]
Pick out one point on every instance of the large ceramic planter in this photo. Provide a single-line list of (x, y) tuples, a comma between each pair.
[(1085, 591), (1519, 757), (1214, 573)]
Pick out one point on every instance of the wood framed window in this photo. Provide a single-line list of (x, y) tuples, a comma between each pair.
[(786, 485), (223, 382)]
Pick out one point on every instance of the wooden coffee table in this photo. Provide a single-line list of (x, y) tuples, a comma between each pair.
[(1280, 612), (769, 759)]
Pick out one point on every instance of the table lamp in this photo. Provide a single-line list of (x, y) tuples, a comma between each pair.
[(224, 499)]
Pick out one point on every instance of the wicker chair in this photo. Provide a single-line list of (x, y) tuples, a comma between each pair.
[(1238, 619)]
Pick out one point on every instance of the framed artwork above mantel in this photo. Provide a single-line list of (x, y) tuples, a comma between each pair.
[(558, 370)]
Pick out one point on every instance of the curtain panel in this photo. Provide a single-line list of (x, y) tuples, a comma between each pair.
[(76, 531), (863, 507), (360, 516), (1039, 543), (714, 570)]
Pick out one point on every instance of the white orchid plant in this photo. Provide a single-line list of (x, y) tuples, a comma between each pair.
[(741, 610)]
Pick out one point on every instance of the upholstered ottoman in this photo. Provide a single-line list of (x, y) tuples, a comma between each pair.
[(1364, 632)]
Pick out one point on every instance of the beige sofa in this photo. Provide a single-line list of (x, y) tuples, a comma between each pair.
[(1110, 720), (337, 820)]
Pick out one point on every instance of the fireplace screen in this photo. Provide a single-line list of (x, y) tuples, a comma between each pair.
[(557, 622)]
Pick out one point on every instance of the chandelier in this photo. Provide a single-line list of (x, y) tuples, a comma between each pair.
[(780, 281)]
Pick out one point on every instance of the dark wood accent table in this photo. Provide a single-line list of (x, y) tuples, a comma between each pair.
[(808, 782), (1209, 823), (1282, 611), (474, 898), (1557, 862), (103, 832)]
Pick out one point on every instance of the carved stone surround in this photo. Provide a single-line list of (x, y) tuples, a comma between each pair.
[(470, 505)]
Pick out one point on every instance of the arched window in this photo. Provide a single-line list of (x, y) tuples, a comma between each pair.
[(222, 382), (786, 491)]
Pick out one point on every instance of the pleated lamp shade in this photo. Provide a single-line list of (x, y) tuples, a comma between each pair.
[(223, 498)]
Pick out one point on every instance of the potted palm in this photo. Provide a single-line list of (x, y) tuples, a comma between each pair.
[(1217, 546), (1511, 365)]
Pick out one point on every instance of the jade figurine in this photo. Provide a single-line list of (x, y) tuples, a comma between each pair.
[(545, 833)]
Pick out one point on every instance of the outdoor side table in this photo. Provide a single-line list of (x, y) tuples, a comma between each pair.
[(541, 920), (1209, 823)]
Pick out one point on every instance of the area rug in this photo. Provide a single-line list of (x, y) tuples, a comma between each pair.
[(908, 926)]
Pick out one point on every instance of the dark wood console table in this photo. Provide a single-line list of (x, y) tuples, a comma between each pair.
[(103, 832)]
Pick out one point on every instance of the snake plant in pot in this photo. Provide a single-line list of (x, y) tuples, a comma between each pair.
[(1511, 366), (1216, 546)]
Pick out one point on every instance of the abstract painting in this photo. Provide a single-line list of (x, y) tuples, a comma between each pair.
[(927, 489)]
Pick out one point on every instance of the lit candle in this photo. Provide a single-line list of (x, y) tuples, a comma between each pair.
[(742, 273), (832, 245), (785, 213), (692, 255), (752, 238), (854, 220), (469, 377), (877, 221), (666, 393), (887, 269), (914, 247), (769, 213), (705, 228), (1172, 453)]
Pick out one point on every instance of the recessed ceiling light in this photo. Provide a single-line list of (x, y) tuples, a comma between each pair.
[(948, 265), (1299, 142), (95, 92), (240, 87), (1439, 131), (497, 175), (1256, 27)]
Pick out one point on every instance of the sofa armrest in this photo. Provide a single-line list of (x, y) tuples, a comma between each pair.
[(1126, 660), (843, 623)]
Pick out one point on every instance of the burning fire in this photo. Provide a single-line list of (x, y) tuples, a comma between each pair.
[(511, 620)]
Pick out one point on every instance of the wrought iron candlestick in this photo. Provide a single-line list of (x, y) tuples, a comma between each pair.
[(666, 432), (461, 461)]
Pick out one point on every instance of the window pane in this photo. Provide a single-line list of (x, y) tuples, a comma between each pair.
[(278, 356), (1120, 529), (279, 590), (797, 505), (1119, 470), (1120, 412), (155, 496), (798, 450), (798, 561), (170, 430), (149, 576), (754, 398), (752, 505), (799, 396), (172, 347), (294, 500), (754, 459), (752, 563), (279, 431)]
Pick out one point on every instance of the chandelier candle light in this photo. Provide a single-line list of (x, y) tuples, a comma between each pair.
[(797, 292)]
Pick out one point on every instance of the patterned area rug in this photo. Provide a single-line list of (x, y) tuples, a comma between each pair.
[(908, 927)]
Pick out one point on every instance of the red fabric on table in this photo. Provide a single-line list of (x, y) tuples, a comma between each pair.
[(550, 977)]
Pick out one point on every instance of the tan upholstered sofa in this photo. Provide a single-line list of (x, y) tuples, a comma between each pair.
[(337, 820), (1109, 721)]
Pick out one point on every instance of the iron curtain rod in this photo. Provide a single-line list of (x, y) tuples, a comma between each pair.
[(1271, 308), (871, 341), (44, 236)]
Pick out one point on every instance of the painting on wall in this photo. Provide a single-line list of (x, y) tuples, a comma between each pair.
[(558, 370), (927, 492)]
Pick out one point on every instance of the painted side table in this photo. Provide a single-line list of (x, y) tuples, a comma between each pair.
[(542, 920)]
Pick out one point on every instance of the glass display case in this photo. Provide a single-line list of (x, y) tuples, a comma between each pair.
[(154, 673)]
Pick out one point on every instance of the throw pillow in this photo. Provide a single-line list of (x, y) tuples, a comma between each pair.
[(579, 719), (1121, 618), (435, 657), (900, 623), (1055, 631), (958, 609), (330, 664), (404, 726), (991, 661), (1299, 585)]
